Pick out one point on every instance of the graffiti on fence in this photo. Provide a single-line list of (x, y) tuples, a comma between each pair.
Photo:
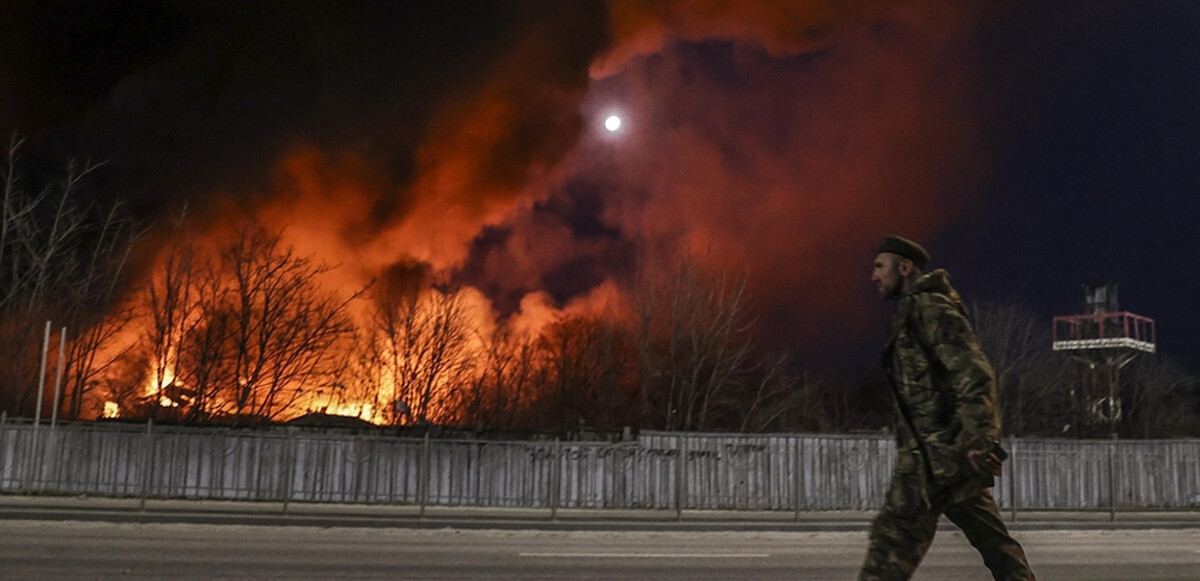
[(725, 451), (656, 470)]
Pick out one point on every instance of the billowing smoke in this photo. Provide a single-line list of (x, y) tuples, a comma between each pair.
[(774, 140), (778, 140)]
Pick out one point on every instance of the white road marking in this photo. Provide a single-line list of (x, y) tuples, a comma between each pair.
[(648, 555)]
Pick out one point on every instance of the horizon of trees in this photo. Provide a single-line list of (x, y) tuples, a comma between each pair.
[(246, 331)]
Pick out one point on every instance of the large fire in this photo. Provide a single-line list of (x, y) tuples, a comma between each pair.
[(408, 352), (434, 269)]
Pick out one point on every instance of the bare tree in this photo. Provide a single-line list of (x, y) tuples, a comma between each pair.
[(1050, 394), (1028, 372), (174, 307), (695, 342), (771, 385), (502, 392), (589, 374), (421, 338), (205, 346), (119, 387), (61, 260), (1160, 399), (355, 387), (244, 333), (95, 315), (39, 234), (282, 328)]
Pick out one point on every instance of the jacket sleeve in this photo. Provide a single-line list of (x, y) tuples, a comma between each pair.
[(956, 356)]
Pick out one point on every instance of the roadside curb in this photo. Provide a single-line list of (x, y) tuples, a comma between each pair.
[(89, 509)]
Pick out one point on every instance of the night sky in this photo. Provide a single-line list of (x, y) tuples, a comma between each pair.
[(1031, 146)]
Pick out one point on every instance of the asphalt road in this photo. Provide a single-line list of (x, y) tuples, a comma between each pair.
[(40, 549)]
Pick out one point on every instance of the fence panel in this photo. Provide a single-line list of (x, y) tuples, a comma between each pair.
[(660, 470)]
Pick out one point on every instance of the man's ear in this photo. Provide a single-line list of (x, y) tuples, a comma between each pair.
[(905, 267)]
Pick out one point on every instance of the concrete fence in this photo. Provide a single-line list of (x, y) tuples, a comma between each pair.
[(658, 470)]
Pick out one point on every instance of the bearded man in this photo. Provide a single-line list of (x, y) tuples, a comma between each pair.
[(947, 424)]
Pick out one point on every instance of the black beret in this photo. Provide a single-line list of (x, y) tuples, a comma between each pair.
[(906, 248)]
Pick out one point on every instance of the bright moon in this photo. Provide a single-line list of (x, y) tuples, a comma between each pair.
[(613, 123)]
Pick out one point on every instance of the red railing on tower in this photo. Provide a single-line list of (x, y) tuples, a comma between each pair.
[(1104, 331)]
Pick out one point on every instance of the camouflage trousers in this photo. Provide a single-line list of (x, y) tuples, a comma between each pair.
[(903, 532)]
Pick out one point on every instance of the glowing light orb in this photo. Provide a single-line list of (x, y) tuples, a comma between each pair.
[(612, 123)]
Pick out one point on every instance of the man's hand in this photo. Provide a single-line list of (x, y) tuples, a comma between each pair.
[(984, 461)]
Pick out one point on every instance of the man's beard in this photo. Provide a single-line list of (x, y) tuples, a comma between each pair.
[(896, 289)]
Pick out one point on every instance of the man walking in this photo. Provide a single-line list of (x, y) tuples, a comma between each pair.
[(947, 424)]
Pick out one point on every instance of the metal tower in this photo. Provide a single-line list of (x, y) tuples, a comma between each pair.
[(1106, 339)]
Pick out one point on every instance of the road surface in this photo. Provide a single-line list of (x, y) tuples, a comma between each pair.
[(36, 549)]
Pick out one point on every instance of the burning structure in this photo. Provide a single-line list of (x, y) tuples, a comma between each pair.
[(369, 234)]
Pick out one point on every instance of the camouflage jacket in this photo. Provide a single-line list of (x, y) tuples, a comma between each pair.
[(944, 388)]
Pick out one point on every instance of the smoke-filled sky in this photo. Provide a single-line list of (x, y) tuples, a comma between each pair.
[(1032, 148)]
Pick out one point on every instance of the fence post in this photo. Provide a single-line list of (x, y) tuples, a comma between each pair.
[(1012, 479), (680, 470), (289, 466), (3, 447), (356, 479), (147, 464), (37, 417), (58, 378), (423, 474), (35, 458), (1112, 480), (478, 448), (556, 479), (797, 474)]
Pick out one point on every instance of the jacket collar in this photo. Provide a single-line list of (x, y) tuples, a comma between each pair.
[(937, 281)]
